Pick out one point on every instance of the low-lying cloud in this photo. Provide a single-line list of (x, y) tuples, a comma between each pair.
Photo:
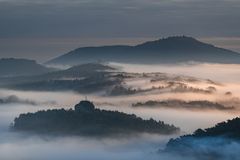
[(29, 147)]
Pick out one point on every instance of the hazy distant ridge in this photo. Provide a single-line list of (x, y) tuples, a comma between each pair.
[(168, 50), (10, 67)]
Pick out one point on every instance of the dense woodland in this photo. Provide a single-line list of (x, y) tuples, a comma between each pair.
[(86, 120), (203, 142)]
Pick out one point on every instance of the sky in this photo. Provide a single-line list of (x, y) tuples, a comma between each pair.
[(42, 29)]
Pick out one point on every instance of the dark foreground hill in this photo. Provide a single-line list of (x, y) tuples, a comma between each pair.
[(10, 67), (168, 50), (86, 120), (219, 142)]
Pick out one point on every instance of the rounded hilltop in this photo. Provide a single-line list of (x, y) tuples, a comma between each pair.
[(86, 120), (84, 106)]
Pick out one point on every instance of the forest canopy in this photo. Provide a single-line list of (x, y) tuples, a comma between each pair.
[(86, 120)]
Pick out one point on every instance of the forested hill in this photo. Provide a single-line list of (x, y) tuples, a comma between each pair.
[(86, 120), (206, 143)]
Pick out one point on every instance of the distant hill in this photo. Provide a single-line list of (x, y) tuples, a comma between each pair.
[(180, 104), (102, 78), (14, 99), (80, 70), (10, 67), (86, 120), (85, 78), (168, 50)]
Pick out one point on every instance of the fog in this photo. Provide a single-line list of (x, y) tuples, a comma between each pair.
[(17, 146), (27, 147), (217, 72), (22, 146), (208, 148)]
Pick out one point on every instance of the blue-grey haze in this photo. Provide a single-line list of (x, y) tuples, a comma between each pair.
[(111, 19)]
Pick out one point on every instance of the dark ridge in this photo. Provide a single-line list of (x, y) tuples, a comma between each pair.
[(177, 42), (86, 120), (85, 78), (10, 67), (14, 99), (203, 143), (91, 67), (180, 104), (175, 49)]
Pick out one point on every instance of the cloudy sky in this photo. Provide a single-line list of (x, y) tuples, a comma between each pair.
[(41, 29)]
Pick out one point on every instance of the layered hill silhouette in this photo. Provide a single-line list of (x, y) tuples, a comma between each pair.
[(10, 67), (86, 120), (176, 49), (180, 104), (99, 77), (212, 143), (82, 78)]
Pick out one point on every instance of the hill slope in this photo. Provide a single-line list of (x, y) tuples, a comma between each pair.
[(212, 143), (89, 121), (81, 78), (10, 67), (169, 50)]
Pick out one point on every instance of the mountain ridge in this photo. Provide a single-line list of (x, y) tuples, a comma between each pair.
[(20, 67), (175, 49)]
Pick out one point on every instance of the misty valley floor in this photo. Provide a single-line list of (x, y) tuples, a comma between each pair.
[(119, 80), (144, 146)]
